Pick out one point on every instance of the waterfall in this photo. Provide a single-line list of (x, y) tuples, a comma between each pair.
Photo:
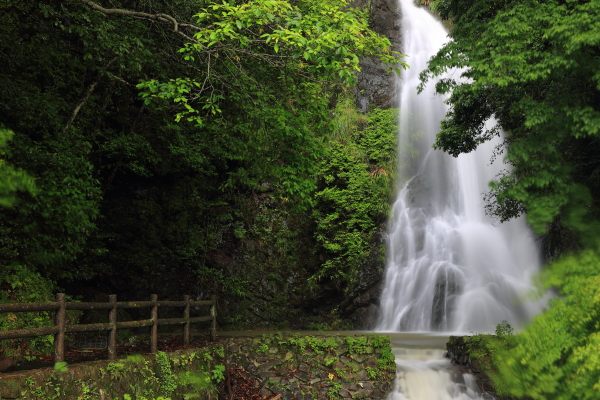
[(449, 268)]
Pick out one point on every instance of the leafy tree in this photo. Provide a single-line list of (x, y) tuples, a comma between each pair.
[(146, 126), (533, 67)]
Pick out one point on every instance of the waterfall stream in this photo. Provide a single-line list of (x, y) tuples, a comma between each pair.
[(449, 268)]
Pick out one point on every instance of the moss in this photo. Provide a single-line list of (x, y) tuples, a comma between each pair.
[(328, 361), (140, 376), (324, 360)]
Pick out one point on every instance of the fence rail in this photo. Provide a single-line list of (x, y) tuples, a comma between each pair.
[(61, 327)]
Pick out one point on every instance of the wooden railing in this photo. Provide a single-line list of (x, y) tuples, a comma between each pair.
[(61, 327)]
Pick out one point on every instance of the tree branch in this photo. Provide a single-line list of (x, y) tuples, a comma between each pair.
[(153, 17), (85, 97)]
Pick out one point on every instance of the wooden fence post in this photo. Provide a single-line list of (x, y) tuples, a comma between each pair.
[(112, 334), (60, 327), (186, 316), (154, 332), (59, 337), (213, 312)]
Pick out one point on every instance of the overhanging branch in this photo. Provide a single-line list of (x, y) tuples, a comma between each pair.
[(165, 18)]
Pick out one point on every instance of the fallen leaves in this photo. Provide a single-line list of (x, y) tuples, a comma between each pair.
[(243, 387)]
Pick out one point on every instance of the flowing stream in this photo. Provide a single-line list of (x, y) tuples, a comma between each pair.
[(424, 374), (449, 268)]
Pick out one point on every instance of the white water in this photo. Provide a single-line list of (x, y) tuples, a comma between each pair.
[(449, 268), (422, 372), (425, 374)]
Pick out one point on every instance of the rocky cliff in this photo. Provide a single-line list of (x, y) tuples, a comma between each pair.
[(376, 87)]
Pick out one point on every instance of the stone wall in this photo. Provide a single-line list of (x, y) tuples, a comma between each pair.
[(293, 366), (316, 367)]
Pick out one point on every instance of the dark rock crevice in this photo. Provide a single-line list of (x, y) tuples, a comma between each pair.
[(376, 87)]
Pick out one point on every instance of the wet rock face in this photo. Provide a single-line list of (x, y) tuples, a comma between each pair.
[(360, 306), (466, 351), (376, 88), (448, 285)]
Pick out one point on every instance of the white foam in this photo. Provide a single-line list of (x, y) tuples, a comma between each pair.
[(449, 268)]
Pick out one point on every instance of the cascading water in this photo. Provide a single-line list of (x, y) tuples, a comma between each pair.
[(449, 268), (423, 374)]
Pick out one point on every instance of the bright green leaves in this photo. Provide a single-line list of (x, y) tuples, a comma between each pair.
[(311, 40), (355, 185), (178, 91), (577, 27), (557, 355)]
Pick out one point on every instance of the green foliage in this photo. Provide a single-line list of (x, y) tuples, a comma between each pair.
[(88, 391), (323, 39), (386, 359), (186, 375), (167, 381), (371, 373), (218, 373), (317, 345), (11, 179), (533, 66), (19, 284), (36, 391), (198, 381), (357, 345), (356, 179), (557, 355), (61, 366), (128, 397), (272, 47), (263, 348), (124, 188), (504, 329)]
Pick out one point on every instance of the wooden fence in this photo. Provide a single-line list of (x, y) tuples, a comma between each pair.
[(61, 327)]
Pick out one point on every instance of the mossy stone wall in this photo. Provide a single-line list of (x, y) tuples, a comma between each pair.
[(294, 366), (314, 367)]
